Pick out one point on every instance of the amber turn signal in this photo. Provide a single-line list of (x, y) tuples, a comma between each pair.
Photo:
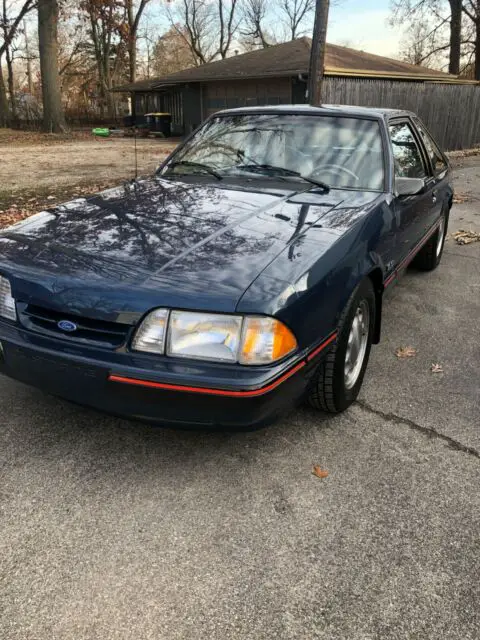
[(265, 340)]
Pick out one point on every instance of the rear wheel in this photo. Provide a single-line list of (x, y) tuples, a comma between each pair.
[(338, 379), (428, 258)]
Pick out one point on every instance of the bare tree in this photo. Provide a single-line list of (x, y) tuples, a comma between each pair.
[(254, 30), (134, 16), (105, 20), (227, 25), (53, 115), (471, 9), (440, 15), (8, 58), (170, 53), (9, 27), (423, 44), (295, 12), (207, 27)]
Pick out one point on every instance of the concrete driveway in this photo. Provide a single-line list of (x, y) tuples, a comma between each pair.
[(110, 529)]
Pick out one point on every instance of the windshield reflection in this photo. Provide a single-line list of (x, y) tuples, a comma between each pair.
[(343, 152)]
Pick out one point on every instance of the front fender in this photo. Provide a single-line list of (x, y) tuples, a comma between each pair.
[(309, 284)]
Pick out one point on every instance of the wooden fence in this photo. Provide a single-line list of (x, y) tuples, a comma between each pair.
[(450, 111)]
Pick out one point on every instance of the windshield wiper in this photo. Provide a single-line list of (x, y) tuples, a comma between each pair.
[(285, 172), (198, 165)]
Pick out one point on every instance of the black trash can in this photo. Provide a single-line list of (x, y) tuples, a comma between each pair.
[(150, 121), (160, 123)]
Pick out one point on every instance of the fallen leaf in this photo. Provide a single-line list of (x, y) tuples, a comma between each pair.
[(317, 471), (460, 198), (466, 237), (405, 352), (436, 368)]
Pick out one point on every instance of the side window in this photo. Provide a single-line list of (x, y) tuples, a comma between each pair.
[(406, 153), (438, 162)]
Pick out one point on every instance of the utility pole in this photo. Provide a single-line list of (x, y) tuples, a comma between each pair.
[(317, 54)]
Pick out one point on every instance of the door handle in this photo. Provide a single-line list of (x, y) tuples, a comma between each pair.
[(434, 197)]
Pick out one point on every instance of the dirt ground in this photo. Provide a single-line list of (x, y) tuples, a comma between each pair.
[(40, 169)]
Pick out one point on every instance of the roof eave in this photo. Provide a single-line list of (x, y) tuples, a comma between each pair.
[(332, 72), (397, 75)]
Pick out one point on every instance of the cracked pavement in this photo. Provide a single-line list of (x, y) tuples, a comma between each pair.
[(111, 529)]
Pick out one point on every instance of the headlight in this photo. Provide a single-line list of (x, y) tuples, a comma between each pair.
[(211, 336), (7, 303), (204, 335)]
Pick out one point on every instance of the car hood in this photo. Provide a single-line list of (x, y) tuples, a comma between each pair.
[(157, 242)]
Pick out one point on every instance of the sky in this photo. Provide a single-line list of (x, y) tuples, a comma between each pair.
[(362, 24)]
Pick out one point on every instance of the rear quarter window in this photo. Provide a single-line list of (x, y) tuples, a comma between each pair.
[(437, 158)]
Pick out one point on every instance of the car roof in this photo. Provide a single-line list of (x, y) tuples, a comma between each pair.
[(324, 109)]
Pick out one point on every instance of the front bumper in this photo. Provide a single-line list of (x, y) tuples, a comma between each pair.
[(154, 389)]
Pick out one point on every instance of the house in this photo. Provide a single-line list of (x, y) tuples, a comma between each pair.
[(278, 75)]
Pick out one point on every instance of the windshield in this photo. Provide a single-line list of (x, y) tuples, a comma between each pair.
[(342, 152)]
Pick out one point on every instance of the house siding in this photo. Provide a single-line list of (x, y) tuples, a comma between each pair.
[(245, 93), (435, 102)]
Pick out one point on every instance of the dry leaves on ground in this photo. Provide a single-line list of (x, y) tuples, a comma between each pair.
[(436, 368), (21, 137), (460, 198), (466, 237), (319, 472), (13, 215), (405, 352)]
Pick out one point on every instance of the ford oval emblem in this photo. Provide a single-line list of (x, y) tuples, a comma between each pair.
[(66, 325)]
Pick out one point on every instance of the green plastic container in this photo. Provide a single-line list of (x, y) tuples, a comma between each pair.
[(102, 132)]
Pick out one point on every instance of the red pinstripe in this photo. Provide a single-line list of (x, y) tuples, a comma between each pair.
[(224, 392)]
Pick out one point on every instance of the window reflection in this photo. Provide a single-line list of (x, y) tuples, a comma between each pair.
[(406, 154), (344, 152)]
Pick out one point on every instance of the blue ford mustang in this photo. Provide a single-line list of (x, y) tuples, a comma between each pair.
[(246, 275)]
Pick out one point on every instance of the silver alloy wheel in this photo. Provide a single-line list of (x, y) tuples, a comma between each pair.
[(441, 233), (357, 344)]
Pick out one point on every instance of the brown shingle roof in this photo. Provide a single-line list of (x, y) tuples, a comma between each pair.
[(292, 58)]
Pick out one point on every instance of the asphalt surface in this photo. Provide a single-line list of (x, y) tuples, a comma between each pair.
[(110, 529)]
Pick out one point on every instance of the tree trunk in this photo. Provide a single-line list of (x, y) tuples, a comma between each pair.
[(477, 48), (132, 56), (4, 106), (11, 83), (455, 36), (29, 60), (53, 115)]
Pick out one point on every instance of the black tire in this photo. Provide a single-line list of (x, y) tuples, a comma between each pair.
[(428, 258), (328, 391)]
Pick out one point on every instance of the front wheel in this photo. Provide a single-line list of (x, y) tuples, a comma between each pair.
[(337, 381)]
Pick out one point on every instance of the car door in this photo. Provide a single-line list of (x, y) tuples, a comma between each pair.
[(414, 213)]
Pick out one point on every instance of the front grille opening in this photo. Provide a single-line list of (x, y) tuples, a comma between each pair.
[(101, 332)]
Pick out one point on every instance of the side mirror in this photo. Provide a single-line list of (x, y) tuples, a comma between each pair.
[(409, 186)]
